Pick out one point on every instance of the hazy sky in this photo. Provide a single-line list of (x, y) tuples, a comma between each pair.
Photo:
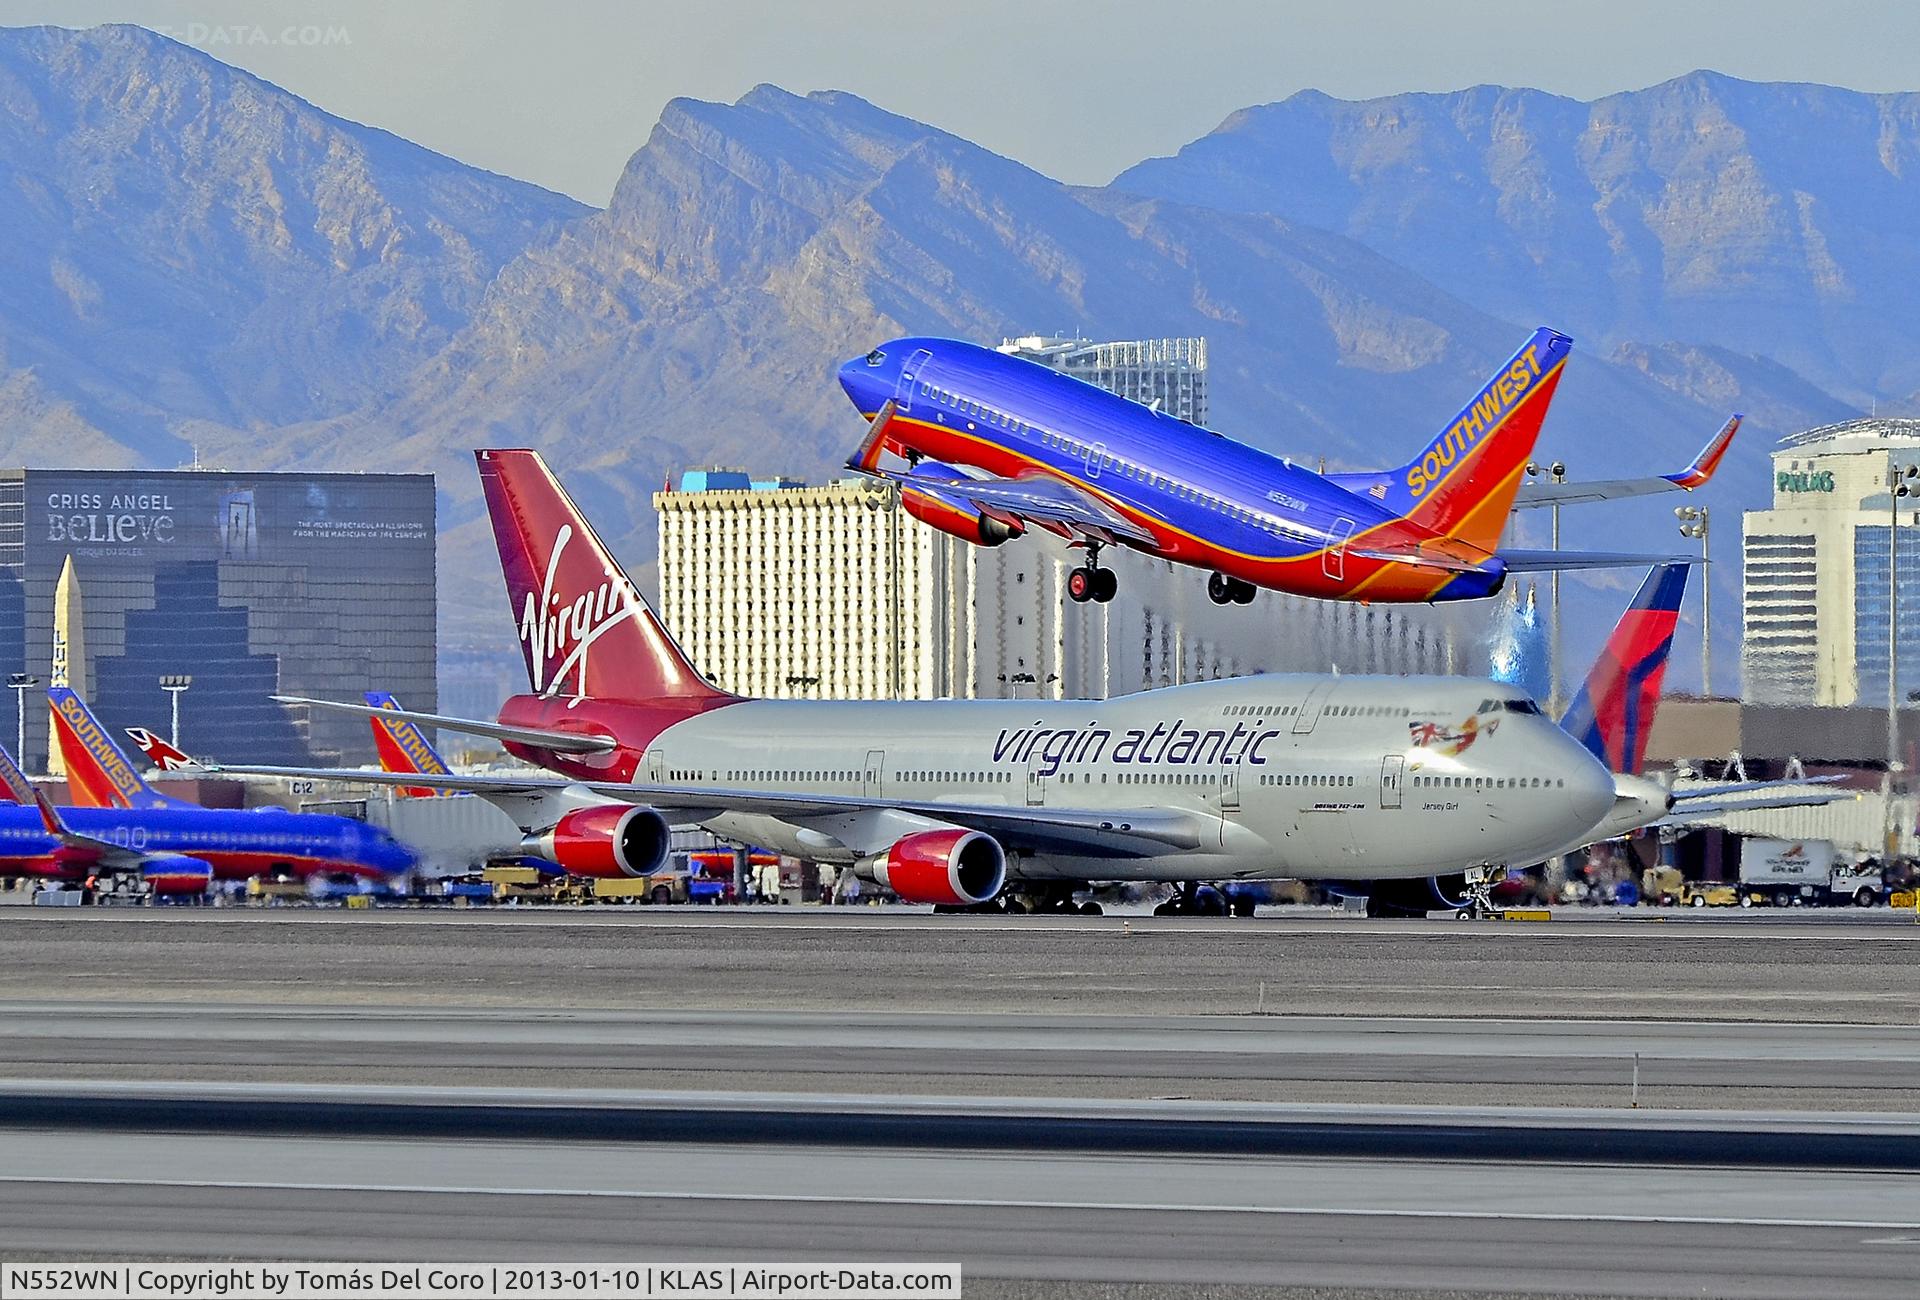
[(563, 93)]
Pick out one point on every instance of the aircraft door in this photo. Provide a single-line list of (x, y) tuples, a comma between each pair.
[(1333, 561), (909, 377), (1036, 786), (876, 767), (1393, 780), (1096, 455), (656, 766), (1309, 714)]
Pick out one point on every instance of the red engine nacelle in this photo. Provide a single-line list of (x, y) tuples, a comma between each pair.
[(956, 868), (605, 843), (950, 517)]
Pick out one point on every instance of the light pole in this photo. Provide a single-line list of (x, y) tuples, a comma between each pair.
[(886, 496), (176, 684), (1693, 523), (1556, 702), (1903, 484), (21, 684)]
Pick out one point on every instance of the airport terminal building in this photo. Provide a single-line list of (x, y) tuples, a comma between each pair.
[(251, 584), (1818, 586)]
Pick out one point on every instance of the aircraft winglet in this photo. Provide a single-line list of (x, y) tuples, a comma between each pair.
[(1701, 467)]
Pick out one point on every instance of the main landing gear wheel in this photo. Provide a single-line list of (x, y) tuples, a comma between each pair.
[(1222, 590), (1091, 582)]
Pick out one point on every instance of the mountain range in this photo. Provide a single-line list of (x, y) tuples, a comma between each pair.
[(203, 261)]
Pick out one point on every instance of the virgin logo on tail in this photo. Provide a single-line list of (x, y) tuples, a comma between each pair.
[(550, 629)]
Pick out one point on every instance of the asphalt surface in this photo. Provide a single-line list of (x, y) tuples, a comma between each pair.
[(1183, 1223), (111, 1014), (1836, 968), (1381, 1060)]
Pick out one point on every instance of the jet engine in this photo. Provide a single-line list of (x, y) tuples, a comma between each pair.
[(607, 842), (954, 868), (922, 497), (173, 874)]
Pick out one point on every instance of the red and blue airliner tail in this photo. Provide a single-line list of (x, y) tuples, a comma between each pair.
[(403, 747), (99, 774), (1463, 483), (1612, 715), (13, 782)]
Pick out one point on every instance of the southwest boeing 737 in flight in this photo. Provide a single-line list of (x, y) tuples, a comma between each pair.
[(1390, 780), (996, 444)]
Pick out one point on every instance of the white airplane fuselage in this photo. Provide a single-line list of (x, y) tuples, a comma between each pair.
[(1289, 775)]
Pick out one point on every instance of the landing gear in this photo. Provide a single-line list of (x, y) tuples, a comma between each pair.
[(1055, 898), (1193, 899), (1222, 590), (1091, 582)]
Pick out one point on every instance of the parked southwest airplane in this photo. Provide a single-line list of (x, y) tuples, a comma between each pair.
[(1390, 780), (996, 443), (175, 847)]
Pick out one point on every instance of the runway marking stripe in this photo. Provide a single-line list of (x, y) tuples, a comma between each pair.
[(1534, 1216)]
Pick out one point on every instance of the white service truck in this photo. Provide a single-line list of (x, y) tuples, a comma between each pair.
[(1806, 873)]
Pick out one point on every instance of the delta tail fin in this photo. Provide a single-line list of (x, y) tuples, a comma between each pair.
[(403, 747), (1463, 483), (99, 774), (1612, 714), (583, 626)]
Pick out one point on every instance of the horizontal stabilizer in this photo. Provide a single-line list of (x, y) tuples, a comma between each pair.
[(1698, 472), (559, 742), (1544, 561), (1745, 787)]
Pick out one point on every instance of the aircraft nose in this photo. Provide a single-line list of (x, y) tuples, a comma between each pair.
[(857, 381), (1590, 789)]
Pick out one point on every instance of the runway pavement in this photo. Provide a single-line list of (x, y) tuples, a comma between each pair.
[(1837, 968), (113, 1017), (1180, 1223), (1385, 1060)]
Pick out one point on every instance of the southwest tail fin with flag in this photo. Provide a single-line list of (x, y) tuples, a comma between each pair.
[(1612, 714), (99, 774)]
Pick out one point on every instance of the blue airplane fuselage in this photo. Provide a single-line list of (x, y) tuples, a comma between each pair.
[(1204, 499), (237, 844)]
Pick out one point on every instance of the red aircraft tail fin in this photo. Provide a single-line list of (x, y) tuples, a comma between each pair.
[(584, 628)]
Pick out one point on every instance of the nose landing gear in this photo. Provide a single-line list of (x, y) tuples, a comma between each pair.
[(1090, 581), (1223, 590)]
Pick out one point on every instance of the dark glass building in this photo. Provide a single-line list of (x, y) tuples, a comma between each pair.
[(254, 584)]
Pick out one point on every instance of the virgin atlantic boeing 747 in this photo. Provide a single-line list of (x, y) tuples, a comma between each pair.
[(1394, 780)]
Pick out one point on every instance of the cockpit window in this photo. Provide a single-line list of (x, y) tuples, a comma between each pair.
[(875, 357), (1520, 706)]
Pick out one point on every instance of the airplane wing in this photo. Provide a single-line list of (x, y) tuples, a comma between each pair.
[(1698, 471), (1542, 561), (1039, 499), (1098, 833), (1696, 811), (1745, 787), (559, 742)]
